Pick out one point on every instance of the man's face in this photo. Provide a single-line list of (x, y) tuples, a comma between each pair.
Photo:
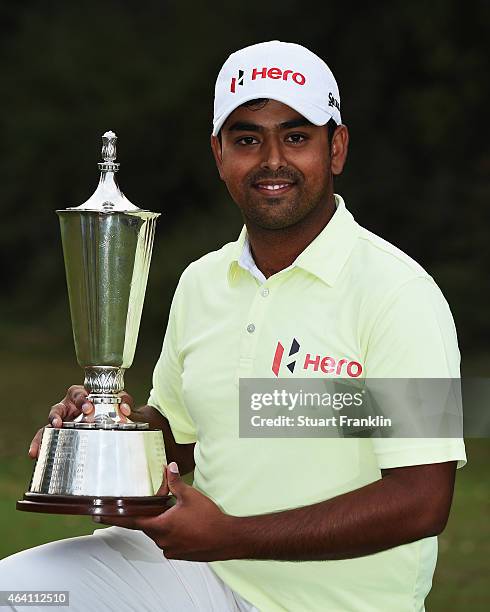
[(275, 163)]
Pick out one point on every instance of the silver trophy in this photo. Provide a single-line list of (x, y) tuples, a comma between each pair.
[(109, 465)]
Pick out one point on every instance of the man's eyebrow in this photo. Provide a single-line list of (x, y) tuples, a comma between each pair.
[(243, 126), (294, 123)]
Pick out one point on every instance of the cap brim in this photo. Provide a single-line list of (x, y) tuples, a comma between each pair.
[(317, 116)]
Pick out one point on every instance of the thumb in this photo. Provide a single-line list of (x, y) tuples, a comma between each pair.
[(175, 483), (163, 490)]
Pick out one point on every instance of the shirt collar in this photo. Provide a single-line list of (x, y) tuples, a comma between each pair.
[(324, 257), (247, 262)]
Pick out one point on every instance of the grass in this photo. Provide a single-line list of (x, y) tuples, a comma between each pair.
[(33, 382), (461, 577)]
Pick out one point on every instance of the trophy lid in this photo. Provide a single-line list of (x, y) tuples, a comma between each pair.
[(107, 198)]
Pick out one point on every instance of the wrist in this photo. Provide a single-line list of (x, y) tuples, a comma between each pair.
[(236, 539)]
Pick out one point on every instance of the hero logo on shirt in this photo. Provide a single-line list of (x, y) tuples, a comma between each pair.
[(268, 73), (322, 363), (276, 362)]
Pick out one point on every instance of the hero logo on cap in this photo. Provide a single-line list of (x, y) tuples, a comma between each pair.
[(235, 81), (268, 73), (286, 72)]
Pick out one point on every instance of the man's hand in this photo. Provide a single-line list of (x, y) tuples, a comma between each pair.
[(72, 405), (195, 529)]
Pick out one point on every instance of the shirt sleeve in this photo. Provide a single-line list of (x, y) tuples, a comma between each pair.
[(166, 394), (414, 336)]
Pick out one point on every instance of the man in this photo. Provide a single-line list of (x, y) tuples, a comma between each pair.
[(278, 524)]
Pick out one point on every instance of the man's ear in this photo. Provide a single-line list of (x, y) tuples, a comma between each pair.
[(338, 149), (218, 154)]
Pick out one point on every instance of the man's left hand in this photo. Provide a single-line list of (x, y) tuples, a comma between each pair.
[(194, 529)]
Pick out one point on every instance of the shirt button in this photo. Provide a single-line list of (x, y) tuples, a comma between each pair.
[(251, 328), (264, 292)]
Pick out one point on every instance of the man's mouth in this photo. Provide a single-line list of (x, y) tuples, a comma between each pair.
[(274, 188)]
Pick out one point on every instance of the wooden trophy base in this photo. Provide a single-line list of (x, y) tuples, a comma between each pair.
[(93, 505)]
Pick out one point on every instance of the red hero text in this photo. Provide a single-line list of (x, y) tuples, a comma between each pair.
[(277, 73), (328, 365)]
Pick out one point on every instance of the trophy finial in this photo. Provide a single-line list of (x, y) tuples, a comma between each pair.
[(109, 152), (108, 198)]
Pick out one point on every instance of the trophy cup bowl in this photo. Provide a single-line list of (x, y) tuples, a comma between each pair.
[(105, 465)]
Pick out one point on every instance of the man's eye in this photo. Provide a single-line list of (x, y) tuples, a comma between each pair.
[(247, 140), (296, 138)]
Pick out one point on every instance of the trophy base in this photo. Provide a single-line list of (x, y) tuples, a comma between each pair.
[(94, 506)]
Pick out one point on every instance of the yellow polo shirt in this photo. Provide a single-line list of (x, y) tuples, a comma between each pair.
[(375, 312)]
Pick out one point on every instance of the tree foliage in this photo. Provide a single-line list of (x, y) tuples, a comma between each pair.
[(413, 80)]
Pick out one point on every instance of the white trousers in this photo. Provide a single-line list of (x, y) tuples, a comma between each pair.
[(118, 569)]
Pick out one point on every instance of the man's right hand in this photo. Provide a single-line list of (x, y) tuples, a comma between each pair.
[(72, 405)]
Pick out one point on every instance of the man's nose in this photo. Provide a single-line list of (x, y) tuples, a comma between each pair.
[(273, 155)]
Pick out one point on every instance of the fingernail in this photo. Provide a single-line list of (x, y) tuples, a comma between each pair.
[(57, 421), (86, 407), (125, 406), (173, 467), (30, 450)]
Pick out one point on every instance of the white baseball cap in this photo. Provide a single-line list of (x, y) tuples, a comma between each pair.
[(286, 72)]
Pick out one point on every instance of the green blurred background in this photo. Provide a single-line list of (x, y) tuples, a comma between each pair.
[(414, 84)]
